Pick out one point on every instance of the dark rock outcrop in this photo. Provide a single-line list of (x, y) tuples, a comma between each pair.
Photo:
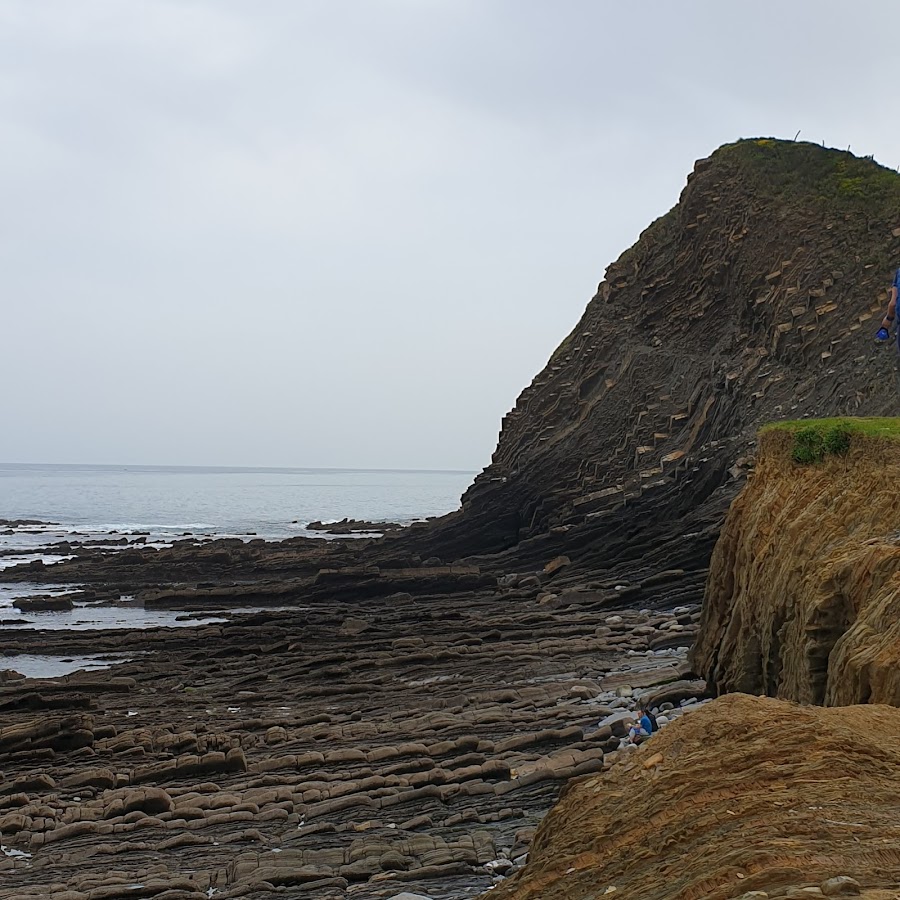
[(753, 299)]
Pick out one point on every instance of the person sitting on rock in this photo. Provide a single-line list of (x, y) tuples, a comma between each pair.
[(636, 734), (884, 333), (645, 720), (640, 729)]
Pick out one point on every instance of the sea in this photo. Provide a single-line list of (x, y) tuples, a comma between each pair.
[(162, 504), (166, 502)]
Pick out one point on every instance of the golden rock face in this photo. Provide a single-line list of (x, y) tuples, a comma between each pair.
[(803, 596), (744, 795)]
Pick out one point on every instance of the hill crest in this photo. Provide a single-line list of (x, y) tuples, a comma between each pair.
[(753, 299)]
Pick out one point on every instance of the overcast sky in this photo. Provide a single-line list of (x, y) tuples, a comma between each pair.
[(335, 233)]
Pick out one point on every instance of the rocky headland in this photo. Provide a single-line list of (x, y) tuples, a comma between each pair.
[(373, 717), (754, 299)]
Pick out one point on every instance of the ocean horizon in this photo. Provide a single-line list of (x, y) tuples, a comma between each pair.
[(165, 502), (150, 467)]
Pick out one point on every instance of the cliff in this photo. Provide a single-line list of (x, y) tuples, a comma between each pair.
[(803, 597), (397, 723), (745, 795), (754, 298)]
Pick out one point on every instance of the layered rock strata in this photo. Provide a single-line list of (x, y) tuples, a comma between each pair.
[(803, 598), (755, 297), (745, 798), (409, 722), (352, 749)]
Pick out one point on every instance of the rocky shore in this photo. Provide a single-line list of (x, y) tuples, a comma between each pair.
[(384, 717), (361, 747)]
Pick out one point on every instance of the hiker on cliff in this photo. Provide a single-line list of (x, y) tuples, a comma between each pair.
[(884, 333)]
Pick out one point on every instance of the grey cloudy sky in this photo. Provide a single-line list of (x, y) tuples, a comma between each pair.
[(336, 233)]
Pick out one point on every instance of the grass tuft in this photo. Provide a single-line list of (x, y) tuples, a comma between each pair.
[(814, 439)]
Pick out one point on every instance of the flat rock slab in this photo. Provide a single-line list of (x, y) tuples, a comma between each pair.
[(390, 745)]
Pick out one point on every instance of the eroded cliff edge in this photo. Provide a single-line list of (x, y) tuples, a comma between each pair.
[(745, 795), (803, 596)]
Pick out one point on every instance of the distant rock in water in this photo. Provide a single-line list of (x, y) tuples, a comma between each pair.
[(755, 298), (12, 526), (353, 526), (47, 603)]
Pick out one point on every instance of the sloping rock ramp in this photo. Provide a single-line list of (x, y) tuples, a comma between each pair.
[(746, 798)]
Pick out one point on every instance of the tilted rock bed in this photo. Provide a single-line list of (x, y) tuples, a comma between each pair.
[(337, 751), (755, 298), (746, 798)]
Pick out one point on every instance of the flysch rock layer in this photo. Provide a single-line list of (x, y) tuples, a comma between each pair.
[(755, 298), (803, 597), (746, 798), (334, 752)]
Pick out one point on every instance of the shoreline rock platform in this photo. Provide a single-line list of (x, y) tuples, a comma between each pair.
[(347, 749), (396, 715)]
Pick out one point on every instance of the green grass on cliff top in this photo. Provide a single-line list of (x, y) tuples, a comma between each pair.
[(869, 427), (816, 439), (799, 168), (833, 183)]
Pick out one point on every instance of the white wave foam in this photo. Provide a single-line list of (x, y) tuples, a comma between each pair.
[(7, 562), (128, 527)]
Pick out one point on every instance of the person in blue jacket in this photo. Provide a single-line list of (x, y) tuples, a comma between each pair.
[(642, 728), (884, 333), (646, 722)]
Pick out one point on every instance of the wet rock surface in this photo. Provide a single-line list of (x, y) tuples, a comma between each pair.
[(357, 749)]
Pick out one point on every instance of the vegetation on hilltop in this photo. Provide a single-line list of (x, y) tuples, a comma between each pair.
[(796, 172), (790, 168)]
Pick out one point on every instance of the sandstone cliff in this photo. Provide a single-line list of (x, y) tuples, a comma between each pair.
[(753, 297), (803, 598), (745, 795)]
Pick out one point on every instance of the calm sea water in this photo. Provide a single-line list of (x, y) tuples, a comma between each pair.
[(169, 501), (105, 503)]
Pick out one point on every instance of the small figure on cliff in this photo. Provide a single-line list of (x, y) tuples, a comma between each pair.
[(884, 333)]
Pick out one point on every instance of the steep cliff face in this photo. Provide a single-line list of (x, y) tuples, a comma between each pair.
[(744, 795), (754, 297), (803, 597)]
